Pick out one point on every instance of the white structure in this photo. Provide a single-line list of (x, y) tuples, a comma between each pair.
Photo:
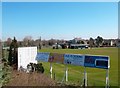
[(26, 55), (111, 43)]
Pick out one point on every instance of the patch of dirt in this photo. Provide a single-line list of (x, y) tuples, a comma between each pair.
[(30, 79)]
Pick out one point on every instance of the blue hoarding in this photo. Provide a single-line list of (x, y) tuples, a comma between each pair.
[(97, 61), (102, 62), (74, 59), (42, 56)]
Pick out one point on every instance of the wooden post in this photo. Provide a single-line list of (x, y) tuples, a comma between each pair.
[(51, 70), (107, 78), (66, 73), (85, 78)]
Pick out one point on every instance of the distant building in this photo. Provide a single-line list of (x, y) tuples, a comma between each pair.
[(56, 46), (78, 41), (79, 46), (118, 42), (109, 42)]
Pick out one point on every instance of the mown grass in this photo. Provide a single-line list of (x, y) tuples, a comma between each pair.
[(96, 77)]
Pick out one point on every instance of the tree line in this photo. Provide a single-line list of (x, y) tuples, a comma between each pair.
[(29, 41)]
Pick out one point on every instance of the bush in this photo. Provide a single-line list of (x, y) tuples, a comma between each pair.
[(4, 60), (35, 67), (39, 68)]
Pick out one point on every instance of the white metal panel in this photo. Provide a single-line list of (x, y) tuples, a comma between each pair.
[(26, 55), (33, 54)]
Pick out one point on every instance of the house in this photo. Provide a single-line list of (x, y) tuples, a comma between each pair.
[(109, 42), (79, 46)]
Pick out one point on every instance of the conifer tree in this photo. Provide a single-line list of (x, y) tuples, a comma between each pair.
[(13, 57)]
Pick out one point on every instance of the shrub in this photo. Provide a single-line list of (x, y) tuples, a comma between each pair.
[(35, 67), (39, 68)]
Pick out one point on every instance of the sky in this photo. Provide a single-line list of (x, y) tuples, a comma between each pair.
[(0, 21), (59, 20), (60, 0)]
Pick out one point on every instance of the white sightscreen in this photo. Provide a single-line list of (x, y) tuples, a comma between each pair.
[(26, 55)]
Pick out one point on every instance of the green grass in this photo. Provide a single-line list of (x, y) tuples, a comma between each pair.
[(96, 77)]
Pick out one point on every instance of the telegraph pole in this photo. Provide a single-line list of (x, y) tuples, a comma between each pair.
[(40, 43)]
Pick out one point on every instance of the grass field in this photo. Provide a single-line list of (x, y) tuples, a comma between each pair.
[(96, 77)]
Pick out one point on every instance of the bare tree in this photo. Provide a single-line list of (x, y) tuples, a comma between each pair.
[(52, 41), (91, 42), (9, 40), (44, 43), (27, 40)]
